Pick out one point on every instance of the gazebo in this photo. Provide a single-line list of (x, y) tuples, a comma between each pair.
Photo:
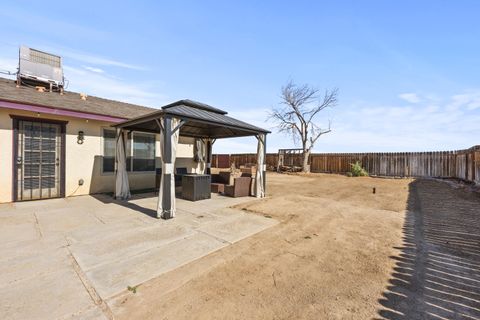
[(190, 119)]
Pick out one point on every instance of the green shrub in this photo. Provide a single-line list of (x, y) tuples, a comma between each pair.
[(357, 170)]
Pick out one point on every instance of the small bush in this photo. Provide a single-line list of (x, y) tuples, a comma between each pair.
[(357, 170)]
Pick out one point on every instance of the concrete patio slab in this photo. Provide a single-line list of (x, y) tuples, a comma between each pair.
[(46, 296), (64, 258), (29, 264), (121, 245), (113, 278)]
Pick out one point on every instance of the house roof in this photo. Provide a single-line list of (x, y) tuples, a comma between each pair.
[(201, 121), (69, 101)]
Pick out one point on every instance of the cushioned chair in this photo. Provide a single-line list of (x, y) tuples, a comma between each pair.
[(219, 181), (240, 187)]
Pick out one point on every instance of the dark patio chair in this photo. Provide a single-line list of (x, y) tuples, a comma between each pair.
[(219, 181), (240, 187)]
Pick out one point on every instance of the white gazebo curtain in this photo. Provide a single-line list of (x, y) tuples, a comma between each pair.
[(166, 198), (208, 155), (200, 148), (122, 188), (261, 167)]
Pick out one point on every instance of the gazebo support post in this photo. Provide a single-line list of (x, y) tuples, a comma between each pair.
[(260, 173), (167, 170), (264, 164)]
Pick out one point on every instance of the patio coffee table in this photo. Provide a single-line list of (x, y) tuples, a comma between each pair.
[(196, 186)]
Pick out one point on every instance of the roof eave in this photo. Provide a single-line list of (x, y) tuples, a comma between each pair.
[(148, 117), (58, 111)]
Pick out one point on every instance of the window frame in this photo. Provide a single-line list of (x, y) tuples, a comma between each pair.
[(130, 157), (103, 153), (131, 139)]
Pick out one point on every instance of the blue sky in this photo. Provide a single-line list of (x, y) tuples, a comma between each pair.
[(407, 71)]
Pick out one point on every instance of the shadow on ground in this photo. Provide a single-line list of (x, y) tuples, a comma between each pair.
[(437, 274), (136, 194), (107, 198)]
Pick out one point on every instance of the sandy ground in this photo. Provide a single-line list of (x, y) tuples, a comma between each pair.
[(437, 273), (330, 257)]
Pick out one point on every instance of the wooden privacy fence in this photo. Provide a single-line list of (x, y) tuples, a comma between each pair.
[(462, 164), (241, 159)]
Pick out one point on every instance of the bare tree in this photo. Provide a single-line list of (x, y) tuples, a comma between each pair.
[(296, 116)]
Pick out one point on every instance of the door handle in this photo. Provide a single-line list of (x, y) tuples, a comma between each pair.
[(19, 160), (57, 161)]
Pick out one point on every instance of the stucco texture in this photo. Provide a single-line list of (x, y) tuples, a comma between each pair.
[(82, 161)]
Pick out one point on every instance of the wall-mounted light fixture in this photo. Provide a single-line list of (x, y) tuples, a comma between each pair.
[(80, 137)]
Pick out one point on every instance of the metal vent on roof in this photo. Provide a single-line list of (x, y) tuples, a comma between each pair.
[(45, 58), (40, 68)]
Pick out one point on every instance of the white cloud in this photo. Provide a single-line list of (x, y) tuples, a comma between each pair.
[(431, 124), (469, 100), (93, 69), (73, 57), (8, 64), (427, 126), (102, 85), (255, 116), (410, 97), (95, 59)]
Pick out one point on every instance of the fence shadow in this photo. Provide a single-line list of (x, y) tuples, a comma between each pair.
[(437, 273)]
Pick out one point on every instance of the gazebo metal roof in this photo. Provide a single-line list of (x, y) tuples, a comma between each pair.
[(201, 121)]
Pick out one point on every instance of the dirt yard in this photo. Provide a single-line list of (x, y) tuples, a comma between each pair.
[(339, 252)]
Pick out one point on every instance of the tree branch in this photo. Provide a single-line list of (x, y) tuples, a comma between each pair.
[(329, 100), (297, 116)]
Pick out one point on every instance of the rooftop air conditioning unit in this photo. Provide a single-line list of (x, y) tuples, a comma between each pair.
[(40, 68)]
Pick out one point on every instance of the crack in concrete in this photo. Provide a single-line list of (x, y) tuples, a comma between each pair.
[(97, 300), (96, 217), (214, 237), (37, 226)]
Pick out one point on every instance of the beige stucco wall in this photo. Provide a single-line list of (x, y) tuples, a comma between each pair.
[(83, 161)]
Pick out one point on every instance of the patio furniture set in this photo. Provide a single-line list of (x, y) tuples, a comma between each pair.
[(232, 185), (200, 186)]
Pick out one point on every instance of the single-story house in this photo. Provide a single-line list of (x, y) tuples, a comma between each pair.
[(61, 144)]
